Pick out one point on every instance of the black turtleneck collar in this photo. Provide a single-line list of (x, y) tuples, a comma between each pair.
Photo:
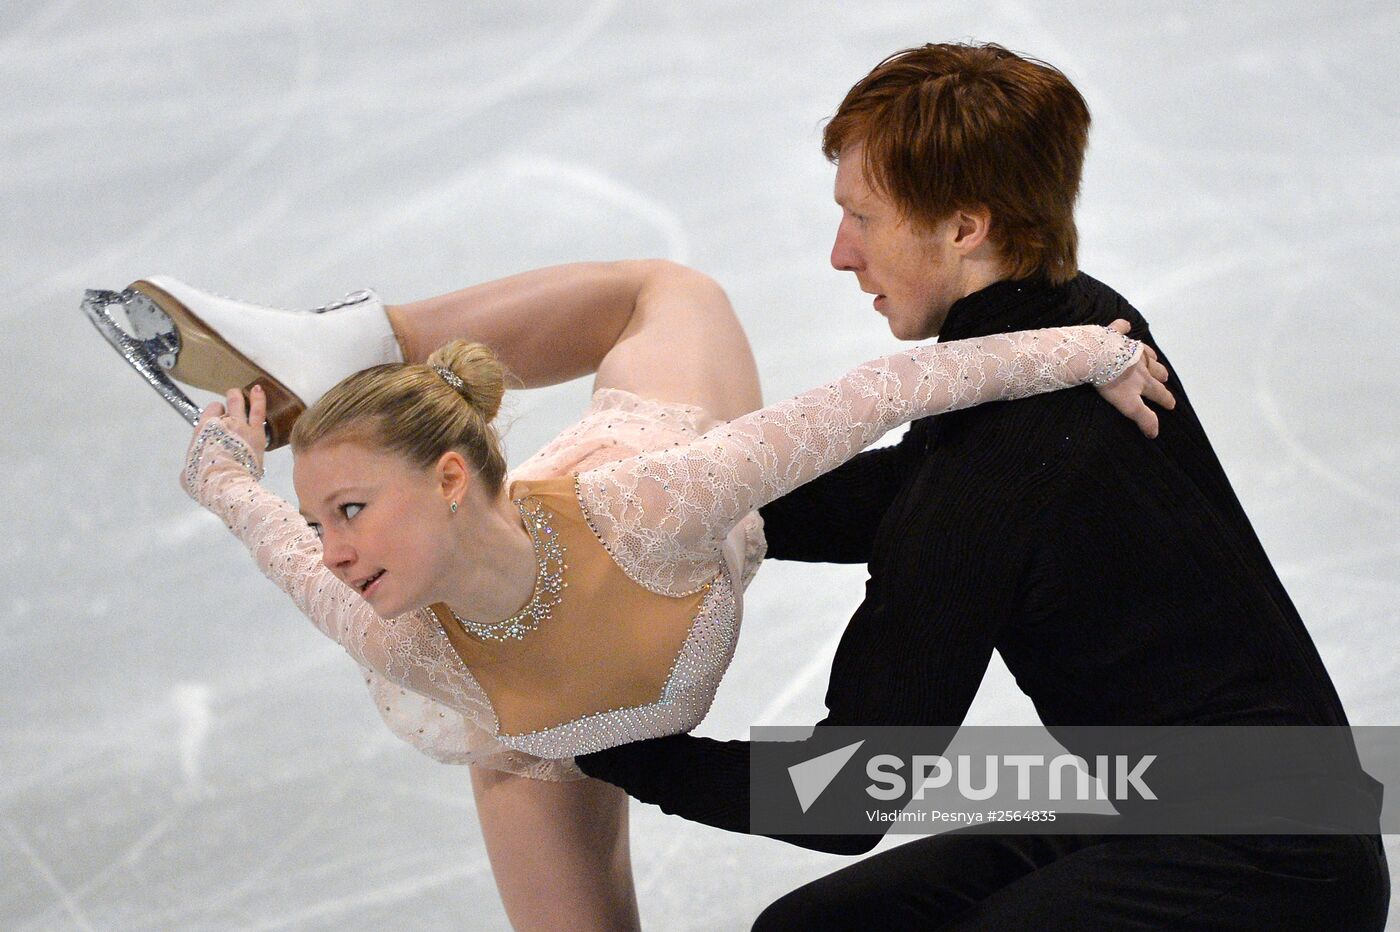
[(1022, 304)]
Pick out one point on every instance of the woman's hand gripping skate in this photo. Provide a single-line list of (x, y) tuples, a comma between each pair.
[(1145, 380), (237, 432), (247, 419)]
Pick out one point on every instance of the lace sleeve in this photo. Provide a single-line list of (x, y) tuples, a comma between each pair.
[(665, 513), (420, 687)]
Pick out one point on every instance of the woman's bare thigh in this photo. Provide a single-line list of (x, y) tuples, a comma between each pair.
[(684, 343)]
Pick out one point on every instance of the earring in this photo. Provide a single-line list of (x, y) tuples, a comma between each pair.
[(454, 508)]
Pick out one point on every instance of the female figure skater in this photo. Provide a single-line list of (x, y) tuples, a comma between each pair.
[(592, 596)]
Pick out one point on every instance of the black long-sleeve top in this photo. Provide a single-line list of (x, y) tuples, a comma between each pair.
[(1118, 576)]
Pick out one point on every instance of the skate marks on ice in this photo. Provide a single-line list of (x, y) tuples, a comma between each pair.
[(191, 701), (272, 122), (1383, 450), (277, 118), (166, 878), (607, 189), (68, 903), (464, 192)]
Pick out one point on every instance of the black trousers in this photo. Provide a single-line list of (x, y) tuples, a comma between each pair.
[(968, 880)]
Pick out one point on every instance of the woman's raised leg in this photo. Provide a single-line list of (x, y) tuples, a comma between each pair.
[(652, 327)]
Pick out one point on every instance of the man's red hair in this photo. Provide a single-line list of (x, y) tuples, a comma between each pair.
[(949, 127)]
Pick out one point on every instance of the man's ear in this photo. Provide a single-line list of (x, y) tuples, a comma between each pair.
[(973, 226)]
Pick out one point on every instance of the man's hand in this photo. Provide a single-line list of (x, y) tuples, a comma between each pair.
[(1145, 380)]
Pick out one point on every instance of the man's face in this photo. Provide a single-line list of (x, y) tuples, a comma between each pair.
[(912, 272)]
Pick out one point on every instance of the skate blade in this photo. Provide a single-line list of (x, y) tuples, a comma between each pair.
[(151, 345)]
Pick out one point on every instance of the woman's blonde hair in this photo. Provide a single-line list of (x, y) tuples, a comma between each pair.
[(413, 410)]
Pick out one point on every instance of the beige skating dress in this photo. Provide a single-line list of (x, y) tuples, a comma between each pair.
[(644, 520)]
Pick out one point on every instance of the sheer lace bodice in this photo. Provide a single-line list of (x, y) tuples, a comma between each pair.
[(672, 504)]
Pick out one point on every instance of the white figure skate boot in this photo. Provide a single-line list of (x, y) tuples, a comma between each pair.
[(176, 331)]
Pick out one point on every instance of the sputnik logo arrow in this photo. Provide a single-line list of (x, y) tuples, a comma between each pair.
[(811, 777)]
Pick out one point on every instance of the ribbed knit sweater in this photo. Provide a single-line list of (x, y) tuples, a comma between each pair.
[(1118, 576)]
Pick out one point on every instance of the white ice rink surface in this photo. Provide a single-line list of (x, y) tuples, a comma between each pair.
[(182, 750)]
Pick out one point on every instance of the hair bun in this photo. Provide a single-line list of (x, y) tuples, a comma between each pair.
[(483, 377)]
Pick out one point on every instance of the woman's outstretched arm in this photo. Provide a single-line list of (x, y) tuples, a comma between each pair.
[(666, 512)]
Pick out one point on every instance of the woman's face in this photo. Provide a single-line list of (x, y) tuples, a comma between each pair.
[(377, 516)]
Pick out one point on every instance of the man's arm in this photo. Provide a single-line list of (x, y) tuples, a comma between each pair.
[(708, 781), (834, 518), (702, 780)]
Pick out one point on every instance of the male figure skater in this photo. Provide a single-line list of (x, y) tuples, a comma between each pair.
[(1118, 576)]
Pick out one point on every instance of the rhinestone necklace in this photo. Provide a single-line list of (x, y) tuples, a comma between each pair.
[(549, 582)]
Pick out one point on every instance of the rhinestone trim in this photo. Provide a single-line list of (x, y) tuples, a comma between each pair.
[(214, 432), (1119, 362), (549, 582), (649, 587)]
